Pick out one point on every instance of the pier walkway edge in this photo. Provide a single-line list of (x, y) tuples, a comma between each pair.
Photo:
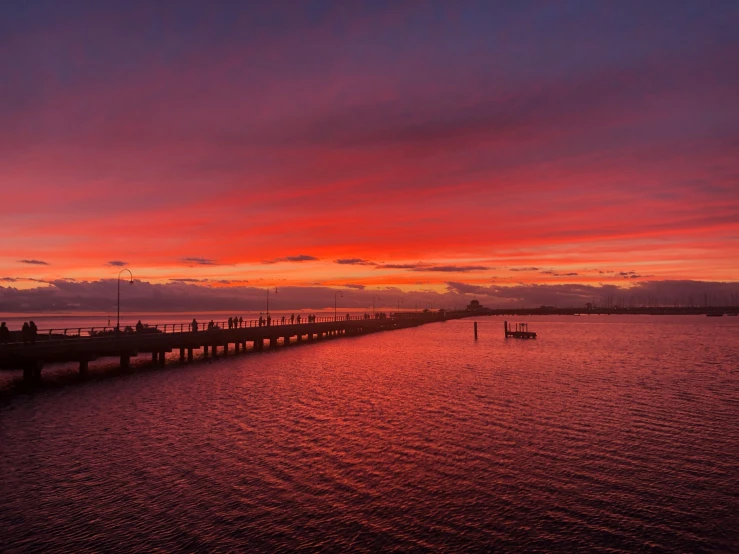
[(86, 344)]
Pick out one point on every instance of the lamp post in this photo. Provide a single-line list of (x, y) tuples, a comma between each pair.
[(118, 318), (338, 292), (399, 301), (269, 287), (373, 303)]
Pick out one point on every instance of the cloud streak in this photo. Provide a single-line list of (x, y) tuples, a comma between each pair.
[(291, 259), (425, 267), (353, 261), (33, 262), (198, 261)]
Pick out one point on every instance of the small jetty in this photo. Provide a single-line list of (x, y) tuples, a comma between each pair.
[(518, 331)]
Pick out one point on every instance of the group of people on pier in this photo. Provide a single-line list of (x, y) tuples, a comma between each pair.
[(284, 319), (29, 331), (238, 322), (235, 322)]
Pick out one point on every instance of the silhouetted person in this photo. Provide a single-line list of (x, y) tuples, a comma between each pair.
[(25, 334), (347, 317), (241, 322), (32, 331), (4, 333), (194, 325), (139, 327), (260, 321), (283, 320), (292, 319), (269, 320), (230, 323)]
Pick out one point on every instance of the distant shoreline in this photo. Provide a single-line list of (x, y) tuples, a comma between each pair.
[(612, 311)]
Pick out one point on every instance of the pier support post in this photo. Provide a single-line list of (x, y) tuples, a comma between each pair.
[(162, 358), (214, 350), (205, 351), (32, 372), (300, 337), (236, 347), (125, 361), (154, 357), (286, 340), (83, 367), (182, 355), (225, 350), (189, 354), (38, 365), (475, 330)]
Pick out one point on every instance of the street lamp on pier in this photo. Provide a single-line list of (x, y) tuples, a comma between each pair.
[(270, 287), (373, 303), (118, 318), (400, 300), (338, 292)]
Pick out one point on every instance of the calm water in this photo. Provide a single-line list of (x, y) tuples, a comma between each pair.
[(607, 434)]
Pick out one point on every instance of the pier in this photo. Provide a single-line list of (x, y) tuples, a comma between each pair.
[(518, 331), (85, 345)]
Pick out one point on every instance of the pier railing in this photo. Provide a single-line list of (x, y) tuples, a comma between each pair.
[(64, 333)]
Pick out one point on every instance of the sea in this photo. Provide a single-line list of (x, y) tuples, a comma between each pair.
[(605, 434)]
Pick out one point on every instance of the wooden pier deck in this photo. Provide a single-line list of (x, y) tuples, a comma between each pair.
[(87, 345)]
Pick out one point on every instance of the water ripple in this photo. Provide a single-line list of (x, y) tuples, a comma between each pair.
[(613, 438)]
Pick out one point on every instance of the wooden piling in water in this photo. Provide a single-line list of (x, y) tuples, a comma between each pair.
[(475, 330)]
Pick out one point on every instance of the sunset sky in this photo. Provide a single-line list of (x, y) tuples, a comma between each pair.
[(416, 146)]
